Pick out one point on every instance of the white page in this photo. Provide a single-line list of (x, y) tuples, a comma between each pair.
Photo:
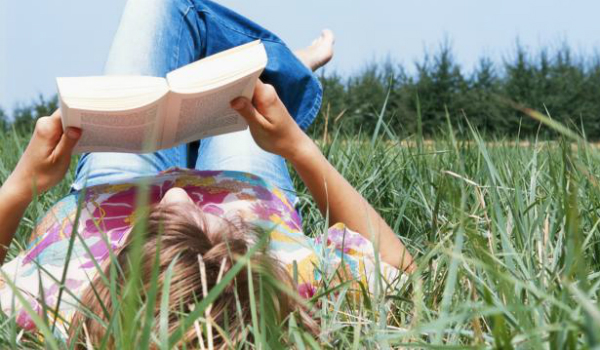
[(197, 116), (222, 67), (135, 130), (111, 93)]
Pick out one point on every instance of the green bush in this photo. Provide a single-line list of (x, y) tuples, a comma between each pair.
[(564, 85), (556, 81)]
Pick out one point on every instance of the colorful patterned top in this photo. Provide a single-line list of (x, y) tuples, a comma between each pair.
[(106, 217)]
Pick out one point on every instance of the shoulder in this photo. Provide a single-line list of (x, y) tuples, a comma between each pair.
[(346, 240), (356, 256), (337, 255)]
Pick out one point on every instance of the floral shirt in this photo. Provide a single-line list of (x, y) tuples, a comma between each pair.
[(106, 217)]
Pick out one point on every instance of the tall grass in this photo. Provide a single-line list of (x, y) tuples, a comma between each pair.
[(505, 234)]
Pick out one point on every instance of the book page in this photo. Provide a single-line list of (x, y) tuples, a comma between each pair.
[(198, 116), (111, 93), (135, 130), (218, 70)]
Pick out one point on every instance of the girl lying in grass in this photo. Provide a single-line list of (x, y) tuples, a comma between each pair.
[(204, 216)]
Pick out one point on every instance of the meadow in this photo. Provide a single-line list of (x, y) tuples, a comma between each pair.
[(499, 204), (505, 234)]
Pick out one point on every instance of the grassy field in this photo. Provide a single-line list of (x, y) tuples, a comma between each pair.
[(506, 239)]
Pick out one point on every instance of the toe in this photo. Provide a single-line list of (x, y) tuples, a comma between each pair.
[(327, 35)]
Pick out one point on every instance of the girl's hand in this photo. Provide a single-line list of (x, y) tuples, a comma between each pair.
[(271, 125), (46, 159)]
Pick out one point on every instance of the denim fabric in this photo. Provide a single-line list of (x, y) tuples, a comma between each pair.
[(297, 87), (158, 36)]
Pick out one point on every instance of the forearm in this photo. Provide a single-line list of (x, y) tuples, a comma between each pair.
[(44, 163), (337, 198), (275, 131), (14, 200)]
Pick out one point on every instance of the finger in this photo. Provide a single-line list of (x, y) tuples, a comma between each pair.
[(268, 103), (56, 114), (67, 142), (47, 133), (49, 130), (266, 100), (243, 106)]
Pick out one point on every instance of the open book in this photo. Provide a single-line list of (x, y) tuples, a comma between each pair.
[(141, 114)]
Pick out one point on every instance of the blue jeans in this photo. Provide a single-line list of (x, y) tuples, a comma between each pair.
[(158, 36)]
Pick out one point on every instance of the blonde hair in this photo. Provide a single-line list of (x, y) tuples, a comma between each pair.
[(182, 237)]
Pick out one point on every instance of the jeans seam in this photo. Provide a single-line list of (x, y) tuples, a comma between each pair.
[(274, 39), (176, 53)]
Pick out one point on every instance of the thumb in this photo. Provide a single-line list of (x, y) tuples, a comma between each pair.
[(267, 101), (245, 108), (67, 142)]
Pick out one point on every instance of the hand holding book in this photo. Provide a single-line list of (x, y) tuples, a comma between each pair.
[(271, 125), (140, 114)]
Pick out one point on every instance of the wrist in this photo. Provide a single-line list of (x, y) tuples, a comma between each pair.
[(303, 151)]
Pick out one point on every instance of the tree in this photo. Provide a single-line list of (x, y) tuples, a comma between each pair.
[(3, 120), (482, 107), (439, 85)]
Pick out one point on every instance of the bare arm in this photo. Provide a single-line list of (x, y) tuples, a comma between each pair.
[(275, 131), (13, 203), (334, 194), (43, 164)]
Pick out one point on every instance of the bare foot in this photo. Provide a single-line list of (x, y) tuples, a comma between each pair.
[(319, 52)]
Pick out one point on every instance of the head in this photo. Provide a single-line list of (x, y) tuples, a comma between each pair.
[(182, 232)]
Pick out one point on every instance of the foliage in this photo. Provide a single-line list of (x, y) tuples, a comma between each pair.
[(506, 236), (3, 120), (24, 117), (505, 231), (566, 85)]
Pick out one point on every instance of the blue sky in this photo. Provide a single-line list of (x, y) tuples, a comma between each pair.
[(40, 40)]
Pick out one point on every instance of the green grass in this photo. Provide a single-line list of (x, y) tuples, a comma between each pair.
[(506, 238)]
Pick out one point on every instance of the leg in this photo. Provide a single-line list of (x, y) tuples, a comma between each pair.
[(238, 151), (319, 52), (156, 36), (153, 38)]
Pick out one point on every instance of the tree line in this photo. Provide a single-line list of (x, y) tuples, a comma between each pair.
[(557, 82)]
